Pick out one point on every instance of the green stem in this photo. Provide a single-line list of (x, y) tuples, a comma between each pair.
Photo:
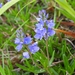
[(43, 53), (47, 49), (48, 71), (33, 59), (2, 59)]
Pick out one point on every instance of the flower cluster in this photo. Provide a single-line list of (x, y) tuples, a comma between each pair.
[(21, 39), (44, 27)]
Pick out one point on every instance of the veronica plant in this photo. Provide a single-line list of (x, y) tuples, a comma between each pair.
[(44, 27), (21, 40), (43, 30)]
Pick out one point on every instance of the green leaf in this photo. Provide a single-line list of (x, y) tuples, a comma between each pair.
[(72, 66), (51, 60), (7, 70), (25, 6), (28, 64), (65, 60), (65, 13), (53, 72), (25, 68), (2, 71), (64, 5), (66, 63), (42, 59), (33, 69), (7, 5)]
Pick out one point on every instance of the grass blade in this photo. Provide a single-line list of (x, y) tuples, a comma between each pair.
[(7, 5)]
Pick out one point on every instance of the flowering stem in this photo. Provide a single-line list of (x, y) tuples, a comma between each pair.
[(43, 53), (31, 56), (48, 71), (47, 49), (33, 59)]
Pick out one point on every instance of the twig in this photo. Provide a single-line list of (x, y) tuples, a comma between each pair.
[(70, 42)]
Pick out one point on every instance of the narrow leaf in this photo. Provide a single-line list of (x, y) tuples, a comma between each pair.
[(51, 60), (2, 71), (7, 5)]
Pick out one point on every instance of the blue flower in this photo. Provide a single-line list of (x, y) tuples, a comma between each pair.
[(20, 34), (1, 5), (50, 23), (19, 44), (19, 40), (44, 27), (33, 48), (40, 25), (19, 47), (40, 33), (43, 15), (50, 32), (27, 40), (26, 55)]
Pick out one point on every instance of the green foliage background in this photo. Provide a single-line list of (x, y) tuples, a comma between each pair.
[(16, 14)]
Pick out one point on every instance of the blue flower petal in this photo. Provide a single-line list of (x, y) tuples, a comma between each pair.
[(40, 33), (40, 25), (50, 32), (1, 5), (33, 48), (26, 55), (50, 23), (19, 47), (37, 36), (17, 41), (27, 40), (43, 15)]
